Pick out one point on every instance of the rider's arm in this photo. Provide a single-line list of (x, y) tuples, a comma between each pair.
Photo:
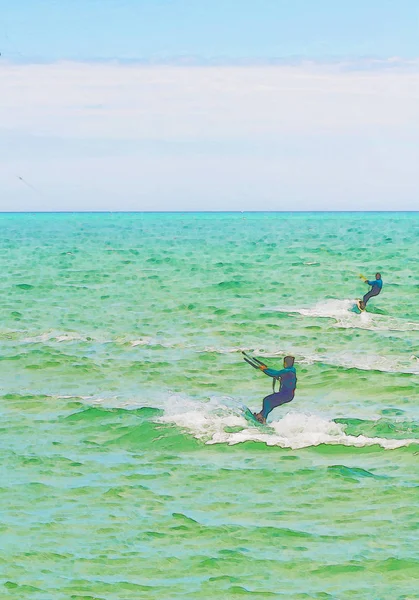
[(273, 372)]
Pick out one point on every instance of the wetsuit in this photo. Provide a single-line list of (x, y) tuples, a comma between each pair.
[(286, 393), (376, 288)]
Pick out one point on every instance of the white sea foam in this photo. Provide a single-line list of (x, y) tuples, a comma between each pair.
[(226, 350), (330, 308), (69, 337), (54, 336), (141, 342), (346, 316), (212, 422), (49, 336)]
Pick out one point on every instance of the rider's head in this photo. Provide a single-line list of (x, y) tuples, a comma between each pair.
[(288, 361)]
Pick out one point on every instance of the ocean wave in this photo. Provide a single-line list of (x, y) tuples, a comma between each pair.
[(222, 422), (363, 361), (366, 362), (73, 336), (346, 360), (53, 336)]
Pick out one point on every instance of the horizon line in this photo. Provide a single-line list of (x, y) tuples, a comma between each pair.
[(367, 61), (157, 212)]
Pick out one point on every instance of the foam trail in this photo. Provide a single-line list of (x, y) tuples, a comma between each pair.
[(213, 422), (299, 430), (330, 308), (346, 316)]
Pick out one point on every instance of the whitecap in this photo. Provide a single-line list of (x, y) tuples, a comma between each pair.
[(213, 421)]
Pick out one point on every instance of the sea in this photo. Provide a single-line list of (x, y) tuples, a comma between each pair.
[(127, 468)]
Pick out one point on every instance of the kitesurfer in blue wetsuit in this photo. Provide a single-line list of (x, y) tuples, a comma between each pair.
[(288, 378), (376, 287)]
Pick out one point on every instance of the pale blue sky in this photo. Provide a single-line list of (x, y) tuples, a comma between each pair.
[(341, 133), (92, 29)]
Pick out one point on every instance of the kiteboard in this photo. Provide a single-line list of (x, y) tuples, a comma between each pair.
[(250, 417), (359, 304)]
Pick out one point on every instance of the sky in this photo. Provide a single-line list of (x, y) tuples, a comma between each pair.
[(221, 105)]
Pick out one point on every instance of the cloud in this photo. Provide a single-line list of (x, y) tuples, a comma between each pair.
[(304, 135)]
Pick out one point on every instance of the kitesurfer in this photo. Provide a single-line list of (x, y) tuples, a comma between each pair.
[(288, 378), (376, 287)]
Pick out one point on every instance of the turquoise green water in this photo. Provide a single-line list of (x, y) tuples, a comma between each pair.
[(127, 468)]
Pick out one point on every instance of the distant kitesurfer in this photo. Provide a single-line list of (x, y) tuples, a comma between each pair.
[(288, 378), (376, 287), (27, 183)]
